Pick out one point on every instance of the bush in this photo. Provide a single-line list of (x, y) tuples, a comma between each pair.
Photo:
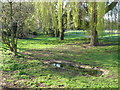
[(13, 67), (34, 33)]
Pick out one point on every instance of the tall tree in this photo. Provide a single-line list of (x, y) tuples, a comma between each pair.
[(54, 19), (98, 11), (75, 12), (60, 19), (93, 25)]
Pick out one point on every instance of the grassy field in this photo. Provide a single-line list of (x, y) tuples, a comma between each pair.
[(27, 70)]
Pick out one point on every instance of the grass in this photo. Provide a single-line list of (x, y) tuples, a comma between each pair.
[(27, 70)]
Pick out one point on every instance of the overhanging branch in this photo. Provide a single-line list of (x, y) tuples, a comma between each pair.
[(111, 6)]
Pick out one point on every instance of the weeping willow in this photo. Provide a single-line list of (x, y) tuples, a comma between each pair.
[(111, 22), (48, 17), (100, 12), (54, 19), (60, 10), (90, 9), (37, 14), (60, 19), (75, 12), (69, 17), (100, 17), (30, 22), (83, 14), (112, 25), (45, 16), (115, 14), (41, 14), (118, 17)]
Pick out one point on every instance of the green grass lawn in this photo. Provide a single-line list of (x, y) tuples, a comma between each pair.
[(27, 70)]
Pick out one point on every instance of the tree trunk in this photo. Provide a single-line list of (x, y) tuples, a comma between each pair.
[(94, 33), (61, 20), (57, 33), (11, 23), (62, 35), (13, 31), (51, 33), (62, 30), (94, 38)]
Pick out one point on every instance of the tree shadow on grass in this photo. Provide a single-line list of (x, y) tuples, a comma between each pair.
[(98, 57), (109, 44)]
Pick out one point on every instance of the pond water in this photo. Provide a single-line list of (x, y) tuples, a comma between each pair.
[(83, 71)]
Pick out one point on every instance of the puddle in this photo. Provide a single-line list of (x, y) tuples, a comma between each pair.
[(75, 68), (80, 70), (57, 65)]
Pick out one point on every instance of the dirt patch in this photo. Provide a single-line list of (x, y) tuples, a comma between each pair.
[(78, 65), (86, 46), (42, 85), (31, 54)]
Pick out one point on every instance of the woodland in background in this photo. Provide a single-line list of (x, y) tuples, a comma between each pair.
[(28, 19)]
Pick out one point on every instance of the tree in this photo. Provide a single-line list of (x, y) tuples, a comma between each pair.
[(111, 6), (60, 19), (12, 20), (75, 12), (95, 20), (94, 34), (9, 35)]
